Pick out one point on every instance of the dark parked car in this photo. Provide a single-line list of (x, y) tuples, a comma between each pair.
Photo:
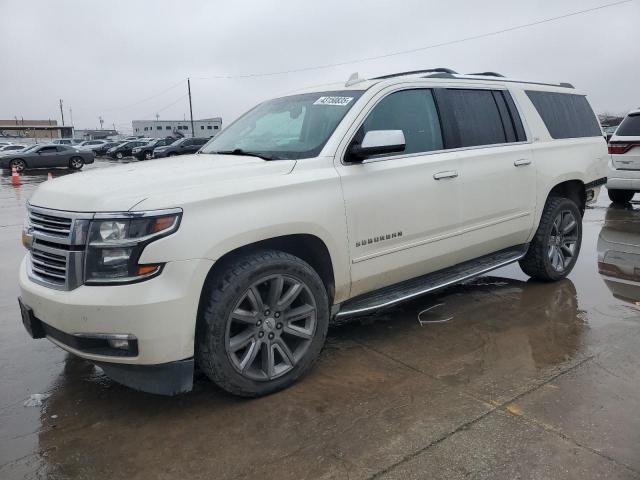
[(46, 156), (145, 152), (103, 149), (124, 149), (180, 147)]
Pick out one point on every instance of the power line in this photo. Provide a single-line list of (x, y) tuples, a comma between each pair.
[(418, 49), (168, 105), (147, 98)]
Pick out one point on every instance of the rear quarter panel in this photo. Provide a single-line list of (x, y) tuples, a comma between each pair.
[(559, 160)]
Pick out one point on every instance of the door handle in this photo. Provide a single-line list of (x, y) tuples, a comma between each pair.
[(522, 162), (447, 174)]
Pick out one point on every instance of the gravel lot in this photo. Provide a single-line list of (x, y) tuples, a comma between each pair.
[(524, 380)]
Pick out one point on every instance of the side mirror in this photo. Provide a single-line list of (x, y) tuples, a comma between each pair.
[(376, 142)]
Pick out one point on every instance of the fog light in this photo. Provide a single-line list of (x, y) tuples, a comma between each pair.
[(119, 344)]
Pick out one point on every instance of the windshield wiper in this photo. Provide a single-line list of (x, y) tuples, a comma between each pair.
[(239, 151)]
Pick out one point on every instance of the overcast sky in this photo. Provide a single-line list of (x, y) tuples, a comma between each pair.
[(107, 58)]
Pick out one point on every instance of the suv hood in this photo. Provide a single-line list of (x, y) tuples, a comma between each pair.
[(122, 187)]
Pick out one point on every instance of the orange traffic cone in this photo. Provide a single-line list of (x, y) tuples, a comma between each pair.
[(15, 178), (49, 176)]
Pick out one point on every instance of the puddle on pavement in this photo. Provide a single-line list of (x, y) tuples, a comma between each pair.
[(493, 337)]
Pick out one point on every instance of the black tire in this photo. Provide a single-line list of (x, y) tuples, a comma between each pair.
[(147, 155), (620, 196), (222, 295), (119, 155), (539, 261), (19, 163), (173, 154), (76, 163)]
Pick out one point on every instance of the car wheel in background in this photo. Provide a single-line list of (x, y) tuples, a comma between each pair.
[(264, 319), (147, 155), (19, 164), (554, 250), (76, 163), (119, 155), (172, 154), (620, 196)]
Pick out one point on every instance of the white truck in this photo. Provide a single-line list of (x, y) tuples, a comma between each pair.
[(329, 203)]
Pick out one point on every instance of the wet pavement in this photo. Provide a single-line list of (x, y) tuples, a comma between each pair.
[(504, 378)]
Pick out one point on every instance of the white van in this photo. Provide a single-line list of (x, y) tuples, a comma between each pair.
[(329, 203)]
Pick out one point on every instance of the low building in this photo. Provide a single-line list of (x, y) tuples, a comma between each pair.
[(41, 129), (206, 127), (97, 134)]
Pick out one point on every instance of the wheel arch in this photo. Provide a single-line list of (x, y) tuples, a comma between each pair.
[(573, 189), (20, 158), (308, 247)]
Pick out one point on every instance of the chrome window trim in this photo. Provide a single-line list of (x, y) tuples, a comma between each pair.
[(414, 86)]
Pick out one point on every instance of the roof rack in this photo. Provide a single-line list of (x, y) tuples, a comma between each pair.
[(448, 73), (487, 74), (412, 72), (502, 79)]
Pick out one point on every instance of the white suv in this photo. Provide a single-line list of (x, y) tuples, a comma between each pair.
[(624, 170), (331, 203)]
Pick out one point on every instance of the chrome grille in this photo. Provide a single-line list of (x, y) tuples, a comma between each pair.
[(51, 267), (50, 224), (57, 251)]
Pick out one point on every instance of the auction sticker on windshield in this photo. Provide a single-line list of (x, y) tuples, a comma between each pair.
[(337, 101)]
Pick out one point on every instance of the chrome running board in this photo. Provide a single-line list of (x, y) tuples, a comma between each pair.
[(389, 296)]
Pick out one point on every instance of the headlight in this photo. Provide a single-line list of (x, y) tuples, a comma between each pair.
[(115, 245)]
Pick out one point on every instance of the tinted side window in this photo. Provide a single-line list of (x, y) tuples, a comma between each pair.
[(412, 111), (630, 126), (565, 115), (200, 141), (470, 118)]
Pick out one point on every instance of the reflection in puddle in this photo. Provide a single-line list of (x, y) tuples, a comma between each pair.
[(619, 253)]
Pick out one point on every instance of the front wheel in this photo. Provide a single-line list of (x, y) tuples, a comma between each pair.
[(119, 156), (19, 164), (263, 323), (76, 163), (620, 196), (554, 250), (148, 154)]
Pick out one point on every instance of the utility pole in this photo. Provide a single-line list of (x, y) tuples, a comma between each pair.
[(193, 130), (101, 122), (71, 115), (61, 112)]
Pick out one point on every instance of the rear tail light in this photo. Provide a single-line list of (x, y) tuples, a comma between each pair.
[(621, 148)]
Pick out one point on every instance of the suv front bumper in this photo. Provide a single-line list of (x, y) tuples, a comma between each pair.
[(160, 314)]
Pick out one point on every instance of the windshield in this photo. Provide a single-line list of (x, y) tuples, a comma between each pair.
[(30, 149), (291, 127)]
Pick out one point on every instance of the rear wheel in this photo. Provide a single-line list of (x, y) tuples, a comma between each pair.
[(76, 163), (263, 323), (119, 155), (620, 196), (19, 164), (554, 250), (148, 154)]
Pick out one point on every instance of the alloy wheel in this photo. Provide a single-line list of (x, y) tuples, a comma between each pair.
[(19, 164), (563, 240), (271, 327), (76, 163)]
